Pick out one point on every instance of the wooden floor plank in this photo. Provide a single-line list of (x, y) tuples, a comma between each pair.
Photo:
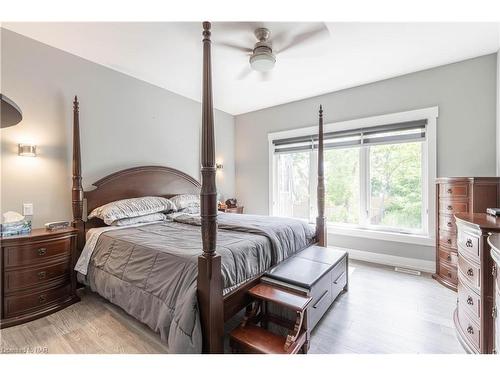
[(383, 312)]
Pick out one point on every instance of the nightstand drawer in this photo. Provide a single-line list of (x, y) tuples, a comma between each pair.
[(33, 301), (36, 277), (36, 252)]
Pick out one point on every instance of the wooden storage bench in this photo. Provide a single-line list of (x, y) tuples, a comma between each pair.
[(317, 272)]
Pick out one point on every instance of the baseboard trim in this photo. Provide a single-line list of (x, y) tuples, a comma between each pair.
[(392, 260)]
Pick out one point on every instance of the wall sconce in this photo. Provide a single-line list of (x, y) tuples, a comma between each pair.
[(219, 166), (26, 150)]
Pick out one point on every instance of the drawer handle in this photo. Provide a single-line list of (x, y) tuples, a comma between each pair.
[(470, 330), (470, 272), (468, 243), (449, 275), (42, 251), (42, 298), (41, 275), (450, 208), (449, 240), (320, 299), (470, 301), (449, 191), (338, 278), (449, 224), (448, 257)]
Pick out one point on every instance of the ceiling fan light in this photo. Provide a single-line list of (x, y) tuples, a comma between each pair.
[(262, 62)]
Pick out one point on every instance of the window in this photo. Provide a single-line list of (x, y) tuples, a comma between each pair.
[(376, 177)]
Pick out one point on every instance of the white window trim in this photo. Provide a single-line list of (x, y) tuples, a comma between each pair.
[(429, 167)]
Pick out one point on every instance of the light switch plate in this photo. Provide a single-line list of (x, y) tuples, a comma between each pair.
[(28, 209)]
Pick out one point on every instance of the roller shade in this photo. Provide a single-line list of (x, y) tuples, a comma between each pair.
[(411, 131)]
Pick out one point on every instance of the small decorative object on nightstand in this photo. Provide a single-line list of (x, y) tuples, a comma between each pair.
[(37, 274), (232, 210)]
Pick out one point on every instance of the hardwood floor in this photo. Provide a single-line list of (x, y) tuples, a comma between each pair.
[(383, 312)]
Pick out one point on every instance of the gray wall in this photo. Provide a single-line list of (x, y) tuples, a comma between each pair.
[(465, 93), (124, 122)]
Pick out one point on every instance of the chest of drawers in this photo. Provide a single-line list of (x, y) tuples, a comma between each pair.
[(37, 274), (454, 195), (474, 315), (494, 241)]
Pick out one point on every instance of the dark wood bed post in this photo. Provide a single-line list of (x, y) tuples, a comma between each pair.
[(77, 190), (321, 234), (209, 282)]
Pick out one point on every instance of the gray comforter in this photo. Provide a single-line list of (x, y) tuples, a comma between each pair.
[(150, 271)]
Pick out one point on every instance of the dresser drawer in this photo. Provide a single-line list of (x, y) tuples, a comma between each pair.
[(447, 223), (468, 244), (37, 276), (448, 272), (321, 294), (23, 302), (469, 328), (470, 273), (36, 252), (448, 239), (468, 299), (447, 255), (451, 207), (454, 190)]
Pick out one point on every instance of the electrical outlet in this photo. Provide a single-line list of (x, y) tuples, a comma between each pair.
[(28, 209)]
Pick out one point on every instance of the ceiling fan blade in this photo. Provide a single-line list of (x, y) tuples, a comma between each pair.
[(234, 47), (318, 33), (244, 73)]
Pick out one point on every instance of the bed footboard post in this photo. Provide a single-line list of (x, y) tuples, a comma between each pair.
[(209, 282), (76, 189), (321, 234)]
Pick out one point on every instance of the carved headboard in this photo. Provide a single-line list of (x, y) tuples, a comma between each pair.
[(138, 182)]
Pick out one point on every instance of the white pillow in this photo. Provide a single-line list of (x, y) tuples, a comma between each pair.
[(139, 219), (183, 201), (132, 207)]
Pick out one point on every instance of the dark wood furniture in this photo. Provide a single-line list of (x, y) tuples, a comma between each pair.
[(494, 242), (249, 337), (473, 316), (37, 274), (163, 181), (316, 272), (454, 195), (232, 210)]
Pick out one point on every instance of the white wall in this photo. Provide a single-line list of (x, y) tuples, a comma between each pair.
[(124, 122), (465, 93)]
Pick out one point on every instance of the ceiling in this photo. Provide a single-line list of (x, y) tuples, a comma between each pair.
[(168, 54)]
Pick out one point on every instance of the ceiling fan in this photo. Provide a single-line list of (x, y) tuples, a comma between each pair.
[(262, 57)]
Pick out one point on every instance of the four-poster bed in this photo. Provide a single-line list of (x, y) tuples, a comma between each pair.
[(215, 306)]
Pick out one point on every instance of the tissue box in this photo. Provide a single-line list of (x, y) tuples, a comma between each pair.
[(15, 229)]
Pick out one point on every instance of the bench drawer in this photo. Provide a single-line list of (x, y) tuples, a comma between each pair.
[(321, 294)]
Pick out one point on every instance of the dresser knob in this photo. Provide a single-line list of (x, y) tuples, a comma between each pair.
[(41, 275), (449, 275), (470, 301), (42, 298), (449, 191), (42, 251), (449, 224), (470, 330), (468, 243), (448, 257), (449, 241), (470, 272), (450, 208)]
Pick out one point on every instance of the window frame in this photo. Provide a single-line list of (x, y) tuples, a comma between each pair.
[(429, 168)]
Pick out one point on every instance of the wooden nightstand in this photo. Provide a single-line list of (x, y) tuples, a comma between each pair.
[(37, 274), (232, 210)]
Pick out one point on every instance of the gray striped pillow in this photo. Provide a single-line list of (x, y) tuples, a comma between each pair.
[(132, 207)]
